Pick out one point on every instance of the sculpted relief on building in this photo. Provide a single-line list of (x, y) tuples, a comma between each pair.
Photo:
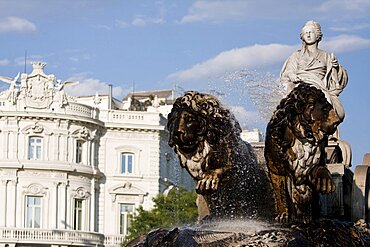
[(36, 90)]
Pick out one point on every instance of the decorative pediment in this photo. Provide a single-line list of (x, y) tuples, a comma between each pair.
[(82, 133), (35, 189), (126, 189), (35, 129), (80, 193)]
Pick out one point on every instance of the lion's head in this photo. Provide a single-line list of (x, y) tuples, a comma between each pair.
[(305, 114), (196, 118)]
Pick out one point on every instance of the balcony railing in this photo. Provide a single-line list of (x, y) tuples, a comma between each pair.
[(114, 240), (130, 117), (41, 236), (79, 110)]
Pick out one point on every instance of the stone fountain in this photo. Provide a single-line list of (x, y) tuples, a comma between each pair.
[(299, 196)]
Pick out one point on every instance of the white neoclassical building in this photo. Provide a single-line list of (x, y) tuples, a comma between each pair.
[(73, 169)]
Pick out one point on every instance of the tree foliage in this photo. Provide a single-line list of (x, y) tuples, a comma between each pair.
[(178, 208)]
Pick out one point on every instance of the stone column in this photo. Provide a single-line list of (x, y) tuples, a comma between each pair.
[(65, 149), (3, 202), (6, 144), (92, 208), (54, 208), (62, 202), (11, 203), (15, 144), (56, 146), (68, 209), (88, 153), (46, 148), (92, 153)]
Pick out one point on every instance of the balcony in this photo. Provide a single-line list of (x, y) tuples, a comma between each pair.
[(45, 236)]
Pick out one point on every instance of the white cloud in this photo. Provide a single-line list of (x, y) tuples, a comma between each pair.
[(103, 27), (240, 58), (220, 10), (89, 86), (345, 43), (15, 24), (138, 22), (346, 7), (121, 24), (215, 11), (350, 28), (4, 62), (259, 56)]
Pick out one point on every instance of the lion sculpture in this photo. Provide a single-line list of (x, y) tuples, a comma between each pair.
[(206, 138), (295, 152)]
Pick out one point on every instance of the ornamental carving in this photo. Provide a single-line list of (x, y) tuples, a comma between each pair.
[(37, 87), (126, 189), (35, 129), (81, 193), (37, 90), (35, 189), (82, 133)]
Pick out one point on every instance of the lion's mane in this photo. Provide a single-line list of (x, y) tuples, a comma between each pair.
[(217, 121)]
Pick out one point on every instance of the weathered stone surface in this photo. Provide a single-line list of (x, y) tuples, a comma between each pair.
[(321, 233)]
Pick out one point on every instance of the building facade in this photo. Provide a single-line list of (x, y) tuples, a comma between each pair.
[(73, 169)]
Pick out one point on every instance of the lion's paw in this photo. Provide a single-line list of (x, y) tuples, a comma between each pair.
[(321, 180), (283, 217), (209, 182)]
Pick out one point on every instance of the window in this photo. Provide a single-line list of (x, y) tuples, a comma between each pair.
[(33, 211), (77, 214), (124, 221), (79, 145), (127, 163), (34, 148)]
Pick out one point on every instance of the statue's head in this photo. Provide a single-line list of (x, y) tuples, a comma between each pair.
[(312, 25)]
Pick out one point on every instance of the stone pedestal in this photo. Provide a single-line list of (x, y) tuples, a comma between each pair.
[(360, 193), (338, 204)]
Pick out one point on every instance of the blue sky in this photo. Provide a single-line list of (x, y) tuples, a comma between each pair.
[(156, 44)]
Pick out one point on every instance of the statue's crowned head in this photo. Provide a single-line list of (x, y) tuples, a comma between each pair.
[(314, 26)]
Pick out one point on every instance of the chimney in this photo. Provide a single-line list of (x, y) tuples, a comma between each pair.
[(110, 97)]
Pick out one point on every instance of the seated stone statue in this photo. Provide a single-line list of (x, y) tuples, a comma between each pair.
[(316, 67), (206, 137)]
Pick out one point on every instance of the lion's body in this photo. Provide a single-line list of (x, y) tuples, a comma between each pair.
[(294, 150), (206, 138)]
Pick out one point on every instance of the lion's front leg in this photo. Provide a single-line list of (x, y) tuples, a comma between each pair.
[(282, 198)]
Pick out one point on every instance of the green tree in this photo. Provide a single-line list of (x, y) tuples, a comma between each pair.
[(178, 208)]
